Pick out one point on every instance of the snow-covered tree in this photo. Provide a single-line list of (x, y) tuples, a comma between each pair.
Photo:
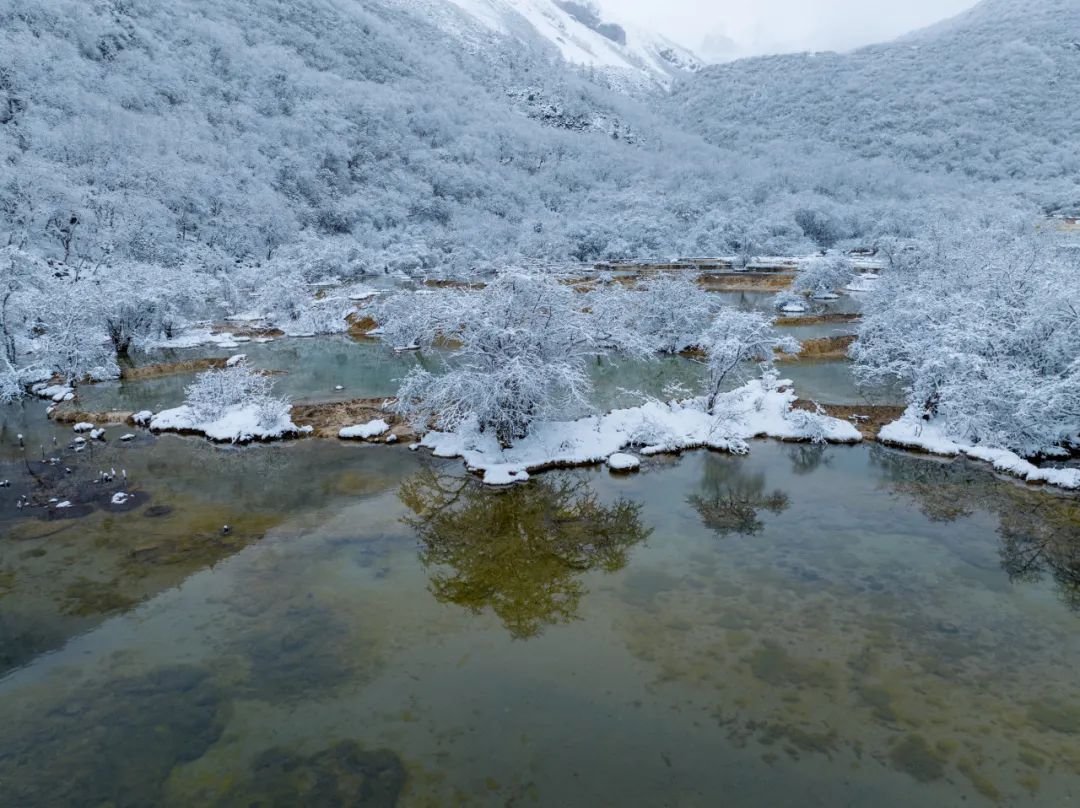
[(72, 344), (521, 346), (670, 310), (982, 328), (733, 340), (19, 280), (823, 276)]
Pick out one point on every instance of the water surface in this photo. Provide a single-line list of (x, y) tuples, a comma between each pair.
[(802, 626)]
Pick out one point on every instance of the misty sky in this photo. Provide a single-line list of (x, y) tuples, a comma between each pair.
[(730, 28)]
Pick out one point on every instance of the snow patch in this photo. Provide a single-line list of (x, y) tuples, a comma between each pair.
[(372, 429), (238, 424), (645, 57), (761, 408), (862, 283), (623, 462), (53, 392)]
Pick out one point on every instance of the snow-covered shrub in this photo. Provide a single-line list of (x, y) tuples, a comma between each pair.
[(282, 298), (215, 392), (981, 326), (815, 426), (736, 338)]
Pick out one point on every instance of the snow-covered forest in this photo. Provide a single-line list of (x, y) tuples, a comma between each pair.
[(195, 135)]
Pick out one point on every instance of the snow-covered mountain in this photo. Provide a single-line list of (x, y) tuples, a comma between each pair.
[(575, 30)]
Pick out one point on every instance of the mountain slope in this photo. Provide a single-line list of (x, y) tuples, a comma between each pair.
[(991, 95), (163, 131)]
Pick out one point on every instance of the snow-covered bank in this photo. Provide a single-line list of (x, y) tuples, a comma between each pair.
[(198, 336), (761, 408), (238, 424), (912, 432)]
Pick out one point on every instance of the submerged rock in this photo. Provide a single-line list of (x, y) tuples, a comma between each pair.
[(113, 744), (343, 775)]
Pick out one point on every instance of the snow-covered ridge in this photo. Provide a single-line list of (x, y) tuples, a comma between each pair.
[(580, 37)]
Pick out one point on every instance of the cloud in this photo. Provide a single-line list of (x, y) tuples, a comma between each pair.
[(749, 27)]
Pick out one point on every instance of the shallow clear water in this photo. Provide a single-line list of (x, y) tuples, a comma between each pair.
[(802, 626), (311, 369), (764, 302), (306, 369), (832, 382)]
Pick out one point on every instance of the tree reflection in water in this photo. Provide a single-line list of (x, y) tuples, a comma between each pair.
[(518, 551), (807, 458), (1039, 528), (730, 500)]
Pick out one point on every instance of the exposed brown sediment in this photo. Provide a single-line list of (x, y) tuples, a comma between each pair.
[(171, 368), (62, 416), (817, 319), (769, 281), (823, 349), (360, 324), (327, 419), (867, 418)]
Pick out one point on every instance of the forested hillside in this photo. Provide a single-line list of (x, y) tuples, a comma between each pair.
[(990, 96), (156, 131)]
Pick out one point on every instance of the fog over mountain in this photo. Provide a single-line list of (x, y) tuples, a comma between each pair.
[(723, 30)]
